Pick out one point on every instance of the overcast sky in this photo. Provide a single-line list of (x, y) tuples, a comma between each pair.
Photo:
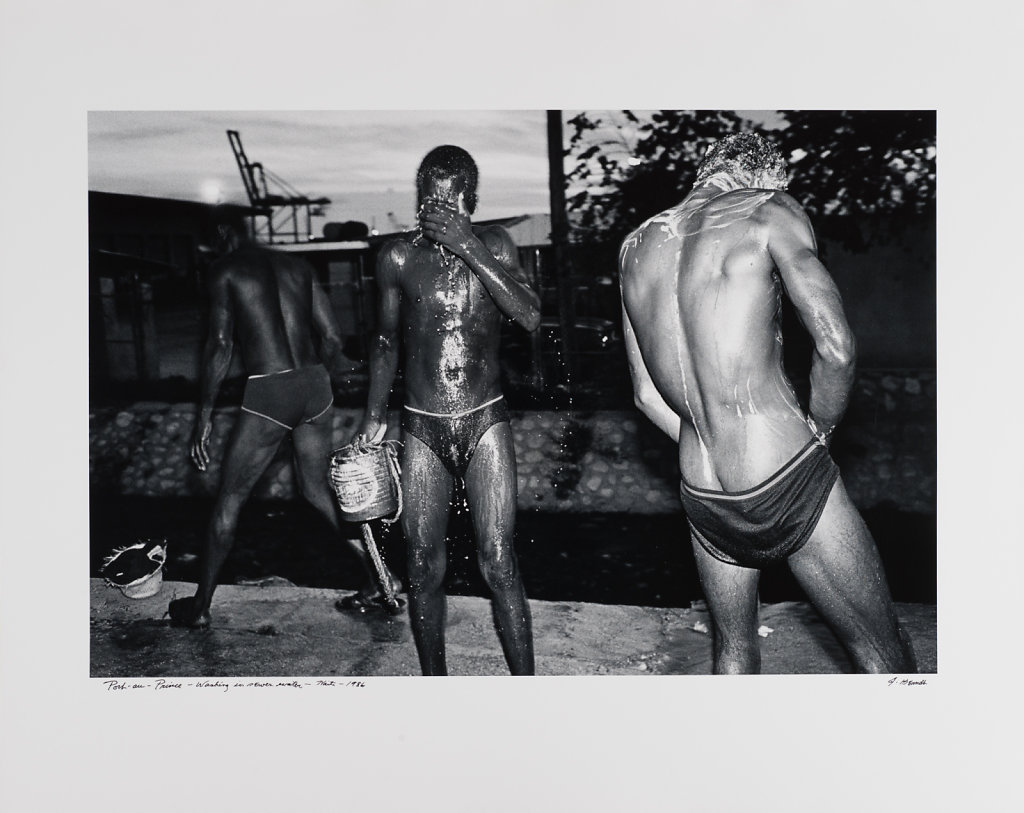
[(365, 162)]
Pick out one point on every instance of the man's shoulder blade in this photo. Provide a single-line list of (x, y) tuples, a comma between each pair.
[(783, 203), (394, 253)]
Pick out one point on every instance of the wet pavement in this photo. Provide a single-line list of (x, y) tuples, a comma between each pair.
[(277, 629)]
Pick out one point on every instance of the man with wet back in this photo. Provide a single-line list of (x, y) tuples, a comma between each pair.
[(702, 287), (270, 302), (444, 294)]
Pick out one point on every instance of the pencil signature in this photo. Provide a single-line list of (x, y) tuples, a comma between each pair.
[(896, 680)]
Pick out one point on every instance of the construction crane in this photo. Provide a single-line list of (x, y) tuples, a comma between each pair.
[(280, 212)]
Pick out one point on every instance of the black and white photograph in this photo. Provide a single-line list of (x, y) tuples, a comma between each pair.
[(362, 398), (650, 353)]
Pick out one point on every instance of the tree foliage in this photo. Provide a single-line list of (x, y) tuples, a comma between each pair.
[(872, 165), (636, 169), (869, 163)]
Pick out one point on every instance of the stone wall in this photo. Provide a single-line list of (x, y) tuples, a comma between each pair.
[(598, 461), (565, 461)]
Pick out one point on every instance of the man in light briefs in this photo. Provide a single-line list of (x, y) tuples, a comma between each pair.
[(271, 305), (702, 286), (444, 294)]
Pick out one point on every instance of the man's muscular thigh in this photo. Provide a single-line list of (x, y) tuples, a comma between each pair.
[(494, 459), (426, 486), (491, 488)]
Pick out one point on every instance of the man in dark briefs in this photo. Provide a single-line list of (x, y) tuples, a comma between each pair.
[(272, 304), (445, 293), (702, 285)]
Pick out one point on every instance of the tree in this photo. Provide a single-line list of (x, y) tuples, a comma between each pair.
[(876, 165), (633, 170)]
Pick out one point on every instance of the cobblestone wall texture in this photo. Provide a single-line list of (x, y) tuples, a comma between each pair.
[(599, 461)]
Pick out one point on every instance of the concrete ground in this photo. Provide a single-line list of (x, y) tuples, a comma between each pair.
[(276, 629)]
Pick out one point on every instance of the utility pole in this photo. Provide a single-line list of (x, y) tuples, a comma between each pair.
[(560, 243)]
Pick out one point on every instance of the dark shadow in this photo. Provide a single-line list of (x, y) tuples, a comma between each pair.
[(632, 559)]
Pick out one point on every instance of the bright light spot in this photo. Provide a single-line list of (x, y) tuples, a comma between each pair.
[(210, 192), (634, 161)]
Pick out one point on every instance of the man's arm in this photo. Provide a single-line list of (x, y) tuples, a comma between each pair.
[(493, 259), (816, 298), (645, 393), (384, 344), (326, 326), (216, 361)]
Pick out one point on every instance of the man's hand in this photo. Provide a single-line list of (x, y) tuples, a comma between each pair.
[(371, 430), (201, 444), (446, 226), (824, 436)]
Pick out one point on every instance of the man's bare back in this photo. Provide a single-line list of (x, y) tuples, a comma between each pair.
[(270, 296), (269, 305), (701, 291), (703, 274)]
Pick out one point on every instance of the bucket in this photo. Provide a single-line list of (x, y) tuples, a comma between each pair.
[(137, 570), (365, 481)]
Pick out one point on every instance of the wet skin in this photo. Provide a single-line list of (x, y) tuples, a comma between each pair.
[(270, 303), (702, 285), (446, 308)]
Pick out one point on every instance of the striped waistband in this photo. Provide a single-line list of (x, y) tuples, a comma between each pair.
[(812, 446), (268, 375)]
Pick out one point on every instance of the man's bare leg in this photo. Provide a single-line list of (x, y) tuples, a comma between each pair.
[(312, 446), (840, 570), (254, 442), (491, 492), (427, 489), (731, 593)]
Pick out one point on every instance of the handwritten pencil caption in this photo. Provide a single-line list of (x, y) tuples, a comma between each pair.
[(161, 684)]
